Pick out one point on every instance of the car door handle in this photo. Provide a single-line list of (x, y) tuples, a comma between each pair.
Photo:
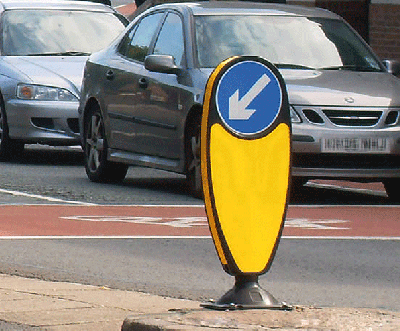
[(143, 82), (110, 75)]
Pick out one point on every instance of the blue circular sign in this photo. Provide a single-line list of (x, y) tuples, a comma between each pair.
[(248, 97)]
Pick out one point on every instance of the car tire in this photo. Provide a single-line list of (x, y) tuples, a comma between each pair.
[(95, 148), (193, 158), (392, 187), (8, 147)]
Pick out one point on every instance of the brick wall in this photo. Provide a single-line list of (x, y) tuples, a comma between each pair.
[(354, 12), (384, 30), (382, 19)]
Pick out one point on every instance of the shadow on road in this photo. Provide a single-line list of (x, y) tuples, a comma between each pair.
[(46, 155), (161, 181), (171, 185)]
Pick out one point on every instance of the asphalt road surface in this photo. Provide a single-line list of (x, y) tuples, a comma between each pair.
[(340, 247)]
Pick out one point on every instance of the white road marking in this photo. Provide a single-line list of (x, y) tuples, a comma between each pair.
[(176, 222), (315, 224), (42, 197), (189, 222)]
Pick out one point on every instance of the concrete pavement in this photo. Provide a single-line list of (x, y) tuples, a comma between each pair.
[(32, 304)]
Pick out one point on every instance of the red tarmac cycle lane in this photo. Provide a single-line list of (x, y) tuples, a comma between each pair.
[(154, 221)]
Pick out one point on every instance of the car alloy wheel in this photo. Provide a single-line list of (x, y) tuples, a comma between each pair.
[(98, 168)]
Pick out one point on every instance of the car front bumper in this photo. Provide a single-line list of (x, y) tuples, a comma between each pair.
[(309, 160), (50, 122)]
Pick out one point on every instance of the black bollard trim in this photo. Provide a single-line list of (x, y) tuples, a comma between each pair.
[(246, 294)]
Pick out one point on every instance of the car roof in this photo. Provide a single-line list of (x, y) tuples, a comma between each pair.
[(52, 4), (249, 8)]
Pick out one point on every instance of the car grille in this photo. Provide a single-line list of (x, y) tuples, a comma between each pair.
[(353, 117), (350, 117), (344, 161)]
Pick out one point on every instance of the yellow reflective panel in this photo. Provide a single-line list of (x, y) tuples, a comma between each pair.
[(204, 162), (250, 181)]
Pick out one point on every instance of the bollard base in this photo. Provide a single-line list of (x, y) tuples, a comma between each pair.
[(246, 294)]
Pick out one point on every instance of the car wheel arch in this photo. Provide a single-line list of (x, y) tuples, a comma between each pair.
[(2, 102), (91, 105), (191, 151), (8, 147), (194, 115), (3, 108)]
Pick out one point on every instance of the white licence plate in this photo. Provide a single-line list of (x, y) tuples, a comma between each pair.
[(355, 145)]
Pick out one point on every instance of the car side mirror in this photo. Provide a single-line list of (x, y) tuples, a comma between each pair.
[(161, 63), (392, 66)]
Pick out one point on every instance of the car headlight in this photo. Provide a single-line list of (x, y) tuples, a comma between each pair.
[(293, 116), (44, 93)]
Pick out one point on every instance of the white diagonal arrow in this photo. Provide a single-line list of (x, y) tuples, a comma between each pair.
[(238, 108)]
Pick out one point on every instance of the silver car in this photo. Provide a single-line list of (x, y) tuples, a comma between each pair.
[(142, 96), (43, 50)]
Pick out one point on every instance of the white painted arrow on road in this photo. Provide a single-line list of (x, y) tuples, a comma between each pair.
[(238, 108)]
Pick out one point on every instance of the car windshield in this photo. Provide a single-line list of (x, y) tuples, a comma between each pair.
[(57, 32), (287, 41)]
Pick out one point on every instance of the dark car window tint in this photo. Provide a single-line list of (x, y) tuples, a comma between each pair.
[(170, 39), (48, 32), (139, 46)]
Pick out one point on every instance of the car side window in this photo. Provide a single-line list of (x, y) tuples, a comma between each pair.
[(126, 41), (170, 41), (139, 45)]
